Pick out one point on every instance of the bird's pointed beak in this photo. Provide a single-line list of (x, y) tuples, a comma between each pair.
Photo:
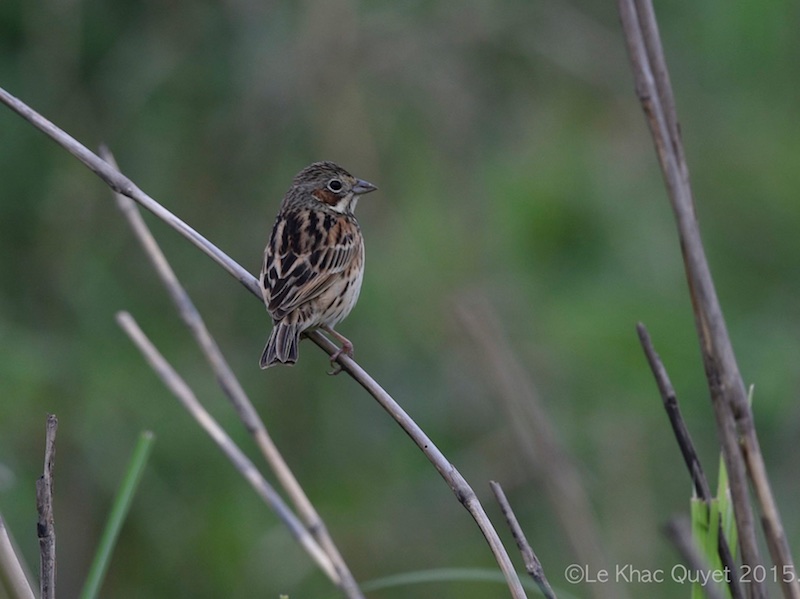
[(362, 187)]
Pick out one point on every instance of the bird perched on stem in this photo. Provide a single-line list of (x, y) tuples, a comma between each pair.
[(314, 262)]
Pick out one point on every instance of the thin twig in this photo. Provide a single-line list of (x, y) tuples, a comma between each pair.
[(456, 482), (12, 573), (45, 527), (121, 184), (679, 532), (672, 408), (241, 462), (233, 389), (118, 182), (535, 432), (532, 563), (686, 445), (728, 395)]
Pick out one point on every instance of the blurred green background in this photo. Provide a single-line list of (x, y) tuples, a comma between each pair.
[(513, 163)]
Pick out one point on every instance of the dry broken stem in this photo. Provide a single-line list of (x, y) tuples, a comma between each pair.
[(45, 527), (173, 381)]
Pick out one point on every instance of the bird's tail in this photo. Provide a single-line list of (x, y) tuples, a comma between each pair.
[(282, 345)]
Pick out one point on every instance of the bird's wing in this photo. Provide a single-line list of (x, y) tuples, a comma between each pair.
[(306, 254)]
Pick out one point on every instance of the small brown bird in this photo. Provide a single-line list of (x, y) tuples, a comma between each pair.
[(314, 262)]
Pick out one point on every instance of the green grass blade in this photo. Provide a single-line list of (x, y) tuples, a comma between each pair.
[(712, 540), (726, 509), (700, 527), (706, 524), (119, 511), (451, 575)]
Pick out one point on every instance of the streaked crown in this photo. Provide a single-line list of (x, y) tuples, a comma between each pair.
[(331, 185)]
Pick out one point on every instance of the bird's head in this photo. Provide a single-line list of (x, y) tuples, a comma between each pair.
[(329, 184)]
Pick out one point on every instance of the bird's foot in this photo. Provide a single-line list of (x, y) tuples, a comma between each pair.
[(346, 349)]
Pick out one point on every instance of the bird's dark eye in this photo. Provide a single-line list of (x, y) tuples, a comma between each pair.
[(335, 185)]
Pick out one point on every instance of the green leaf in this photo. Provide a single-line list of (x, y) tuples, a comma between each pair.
[(119, 511)]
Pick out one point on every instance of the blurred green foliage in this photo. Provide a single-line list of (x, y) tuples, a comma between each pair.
[(513, 161)]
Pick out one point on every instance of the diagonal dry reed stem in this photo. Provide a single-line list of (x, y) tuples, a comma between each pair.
[(121, 184), (535, 433), (532, 563), (455, 481), (672, 408), (234, 391), (740, 446), (13, 580), (686, 445), (173, 381)]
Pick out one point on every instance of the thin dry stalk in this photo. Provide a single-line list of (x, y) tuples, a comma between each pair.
[(12, 574), (240, 461), (672, 408), (45, 528), (532, 563), (455, 481), (536, 436), (121, 184), (679, 532), (686, 445), (233, 390), (728, 395)]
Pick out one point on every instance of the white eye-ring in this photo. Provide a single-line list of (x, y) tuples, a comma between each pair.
[(335, 185)]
